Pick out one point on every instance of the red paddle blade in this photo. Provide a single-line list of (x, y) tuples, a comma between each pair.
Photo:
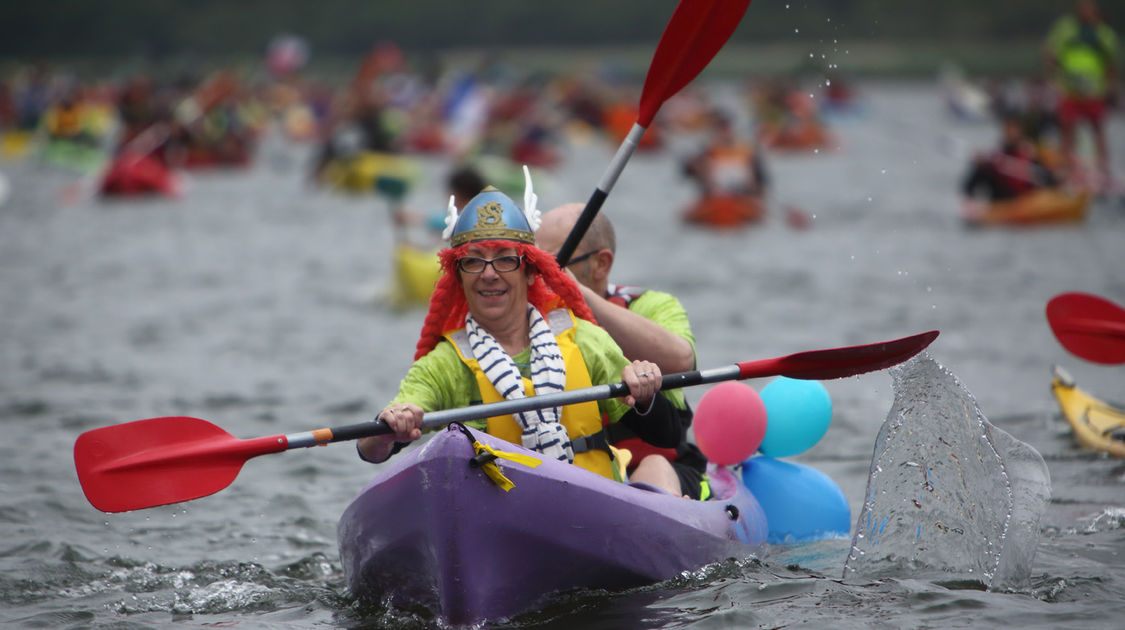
[(159, 461), (694, 35), (840, 362), (1088, 326)]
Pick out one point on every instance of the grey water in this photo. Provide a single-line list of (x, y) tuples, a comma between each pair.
[(253, 302)]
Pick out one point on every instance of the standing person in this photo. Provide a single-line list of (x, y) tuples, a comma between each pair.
[(504, 321), (647, 324), (1081, 53)]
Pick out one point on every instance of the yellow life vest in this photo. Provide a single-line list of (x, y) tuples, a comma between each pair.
[(580, 419)]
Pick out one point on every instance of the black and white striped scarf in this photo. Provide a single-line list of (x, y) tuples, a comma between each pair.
[(542, 430)]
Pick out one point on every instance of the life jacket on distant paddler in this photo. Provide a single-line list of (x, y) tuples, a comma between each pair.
[(580, 420), (731, 167), (64, 120), (619, 435)]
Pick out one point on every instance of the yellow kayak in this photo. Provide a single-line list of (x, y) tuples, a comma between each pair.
[(416, 271), (366, 171), (15, 144), (1097, 425)]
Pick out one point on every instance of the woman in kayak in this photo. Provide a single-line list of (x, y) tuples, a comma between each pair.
[(505, 322)]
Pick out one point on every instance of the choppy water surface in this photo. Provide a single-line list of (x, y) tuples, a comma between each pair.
[(250, 303)]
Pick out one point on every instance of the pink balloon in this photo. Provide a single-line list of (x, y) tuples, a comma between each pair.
[(729, 423)]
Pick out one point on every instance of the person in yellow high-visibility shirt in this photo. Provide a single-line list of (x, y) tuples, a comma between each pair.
[(1081, 51)]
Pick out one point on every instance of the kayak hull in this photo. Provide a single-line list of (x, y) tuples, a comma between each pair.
[(1091, 420), (725, 211), (431, 530), (1037, 207), (363, 172), (132, 174)]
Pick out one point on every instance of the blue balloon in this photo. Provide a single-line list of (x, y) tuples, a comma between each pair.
[(800, 502), (797, 412)]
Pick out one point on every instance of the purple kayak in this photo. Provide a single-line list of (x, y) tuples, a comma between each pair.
[(432, 530)]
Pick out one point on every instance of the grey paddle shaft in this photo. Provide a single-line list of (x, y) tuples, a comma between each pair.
[(574, 396), (508, 407), (609, 179)]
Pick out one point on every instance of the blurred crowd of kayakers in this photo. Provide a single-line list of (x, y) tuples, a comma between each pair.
[(138, 131)]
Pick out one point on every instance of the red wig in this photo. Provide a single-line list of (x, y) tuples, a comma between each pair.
[(549, 289)]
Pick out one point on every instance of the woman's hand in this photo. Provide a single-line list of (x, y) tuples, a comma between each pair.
[(405, 422), (643, 379), (404, 419)]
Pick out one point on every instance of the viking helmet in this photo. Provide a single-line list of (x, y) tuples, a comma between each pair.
[(492, 215)]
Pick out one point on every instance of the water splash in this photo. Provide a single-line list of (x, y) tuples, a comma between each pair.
[(949, 495)]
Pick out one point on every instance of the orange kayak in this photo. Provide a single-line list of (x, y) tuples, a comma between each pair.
[(726, 211)]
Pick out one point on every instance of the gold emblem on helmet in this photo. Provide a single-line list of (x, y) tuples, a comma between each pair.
[(490, 216)]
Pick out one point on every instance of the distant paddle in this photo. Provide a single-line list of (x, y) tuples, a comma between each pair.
[(158, 461), (694, 35), (1088, 326)]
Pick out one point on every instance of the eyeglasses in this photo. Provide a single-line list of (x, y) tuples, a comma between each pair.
[(578, 259), (501, 264)]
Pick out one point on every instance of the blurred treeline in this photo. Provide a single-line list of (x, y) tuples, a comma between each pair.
[(884, 34)]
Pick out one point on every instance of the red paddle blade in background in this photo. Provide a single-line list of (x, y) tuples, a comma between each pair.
[(694, 35), (1088, 326)]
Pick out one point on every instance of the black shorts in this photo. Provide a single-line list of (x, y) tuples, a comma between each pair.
[(692, 482)]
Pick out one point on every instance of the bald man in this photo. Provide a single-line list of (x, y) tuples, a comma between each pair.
[(648, 325)]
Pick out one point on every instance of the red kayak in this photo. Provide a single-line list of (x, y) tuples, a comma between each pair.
[(131, 174)]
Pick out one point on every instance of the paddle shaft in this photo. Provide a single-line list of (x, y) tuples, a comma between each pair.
[(507, 407), (605, 186), (693, 36), (815, 364)]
